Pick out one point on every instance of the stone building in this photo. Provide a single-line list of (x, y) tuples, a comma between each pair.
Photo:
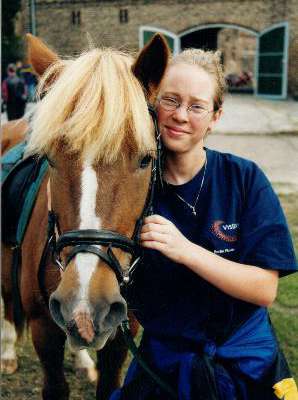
[(258, 38)]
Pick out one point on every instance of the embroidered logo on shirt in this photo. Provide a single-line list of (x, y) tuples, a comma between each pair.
[(224, 231)]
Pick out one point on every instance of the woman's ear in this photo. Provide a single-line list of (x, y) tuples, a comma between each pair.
[(217, 115), (215, 118)]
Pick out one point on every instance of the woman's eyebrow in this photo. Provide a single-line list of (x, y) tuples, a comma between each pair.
[(193, 98), (199, 100), (171, 94)]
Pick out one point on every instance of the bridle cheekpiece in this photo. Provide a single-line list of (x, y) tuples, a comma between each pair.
[(89, 240)]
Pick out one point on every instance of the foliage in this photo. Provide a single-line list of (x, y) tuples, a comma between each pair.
[(11, 44)]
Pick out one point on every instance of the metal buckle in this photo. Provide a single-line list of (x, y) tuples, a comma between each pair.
[(127, 273), (60, 265)]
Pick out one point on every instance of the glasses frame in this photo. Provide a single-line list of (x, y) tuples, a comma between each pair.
[(188, 108)]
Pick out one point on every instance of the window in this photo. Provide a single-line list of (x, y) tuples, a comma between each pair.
[(123, 16), (76, 17)]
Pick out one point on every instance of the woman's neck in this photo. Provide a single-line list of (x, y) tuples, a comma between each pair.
[(182, 167)]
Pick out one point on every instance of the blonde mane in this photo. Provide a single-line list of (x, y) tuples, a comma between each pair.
[(96, 106)]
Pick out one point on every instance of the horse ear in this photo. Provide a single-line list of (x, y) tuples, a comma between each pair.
[(151, 63), (39, 55)]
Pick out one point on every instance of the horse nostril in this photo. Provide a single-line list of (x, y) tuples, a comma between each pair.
[(117, 313), (118, 308), (55, 310)]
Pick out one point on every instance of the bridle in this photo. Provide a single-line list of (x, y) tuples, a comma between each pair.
[(88, 240)]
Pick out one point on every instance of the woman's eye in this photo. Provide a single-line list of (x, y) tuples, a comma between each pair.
[(169, 100), (145, 161), (197, 108)]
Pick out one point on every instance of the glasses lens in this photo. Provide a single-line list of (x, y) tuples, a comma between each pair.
[(198, 110), (168, 103)]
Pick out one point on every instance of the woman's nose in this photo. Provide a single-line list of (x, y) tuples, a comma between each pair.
[(181, 114)]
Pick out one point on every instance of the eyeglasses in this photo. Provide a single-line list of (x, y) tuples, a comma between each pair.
[(170, 104)]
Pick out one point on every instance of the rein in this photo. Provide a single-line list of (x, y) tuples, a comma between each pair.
[(87, 240)]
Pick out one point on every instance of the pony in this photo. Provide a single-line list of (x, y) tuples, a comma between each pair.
[(13, 133), (94, 127)]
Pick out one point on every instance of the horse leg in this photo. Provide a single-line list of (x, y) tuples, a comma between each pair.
[(49, 343), (9, 333), (85, 365), (110, 360), (9, 363)]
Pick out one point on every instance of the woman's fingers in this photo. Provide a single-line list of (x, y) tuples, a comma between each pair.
[(155, 246), (157, 219), (162, 235), (154, 227), (153, 236)]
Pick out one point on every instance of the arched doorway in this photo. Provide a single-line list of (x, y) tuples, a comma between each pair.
[(260, 59), (203, 39), (238, 49)]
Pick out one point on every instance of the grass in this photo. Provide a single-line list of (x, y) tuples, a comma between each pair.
[(27, 382), (284, 312), (286, 327)]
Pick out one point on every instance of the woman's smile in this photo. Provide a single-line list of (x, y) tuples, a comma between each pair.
[(174, 131)]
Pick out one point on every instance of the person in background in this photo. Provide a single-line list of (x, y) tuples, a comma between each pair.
[(19, 66), (30, 79), (214, 249), (14, 94)]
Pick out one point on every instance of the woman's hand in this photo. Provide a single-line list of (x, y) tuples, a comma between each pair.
[(160, 234), (245, 282)]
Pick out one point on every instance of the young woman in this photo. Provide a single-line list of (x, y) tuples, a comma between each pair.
[(215, 248)]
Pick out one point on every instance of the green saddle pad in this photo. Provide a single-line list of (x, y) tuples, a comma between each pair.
[(21, 180)]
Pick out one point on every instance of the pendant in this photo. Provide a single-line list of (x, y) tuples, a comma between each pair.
[(194, 211)]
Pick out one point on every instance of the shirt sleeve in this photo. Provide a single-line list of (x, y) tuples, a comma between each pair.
[(265, 240)]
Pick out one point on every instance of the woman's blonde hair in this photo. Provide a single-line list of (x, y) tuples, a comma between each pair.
[(210, 61)]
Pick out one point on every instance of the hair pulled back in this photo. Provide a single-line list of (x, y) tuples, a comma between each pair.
[(210, 61)]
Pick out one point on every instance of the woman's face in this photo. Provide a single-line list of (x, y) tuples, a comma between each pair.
[(183, 130)]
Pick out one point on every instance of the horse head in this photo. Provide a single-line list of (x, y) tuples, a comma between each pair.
[(94, 127)]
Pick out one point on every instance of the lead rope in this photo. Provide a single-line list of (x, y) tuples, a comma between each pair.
[(134, 350)]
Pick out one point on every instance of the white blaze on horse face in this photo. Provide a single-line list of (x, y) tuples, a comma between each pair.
[(86, 263)]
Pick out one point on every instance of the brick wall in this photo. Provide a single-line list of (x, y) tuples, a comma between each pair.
[(101, 20)]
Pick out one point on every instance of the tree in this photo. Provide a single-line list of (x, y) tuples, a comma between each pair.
[(11, 44)]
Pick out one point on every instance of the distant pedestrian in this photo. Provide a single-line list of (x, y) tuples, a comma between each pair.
[(19, 66), (14, 93), (27, 74)]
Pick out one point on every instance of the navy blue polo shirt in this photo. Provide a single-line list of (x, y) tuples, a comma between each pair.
[(184, 317), (239, 217)]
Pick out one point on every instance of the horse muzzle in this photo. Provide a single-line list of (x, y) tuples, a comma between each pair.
[(86, 325)]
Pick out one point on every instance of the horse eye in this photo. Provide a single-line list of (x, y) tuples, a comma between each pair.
[(145, 161), (50, 162)]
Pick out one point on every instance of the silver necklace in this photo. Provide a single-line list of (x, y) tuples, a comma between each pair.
[(193, 207)]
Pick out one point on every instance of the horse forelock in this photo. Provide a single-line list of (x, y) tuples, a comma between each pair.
[(96, 105)]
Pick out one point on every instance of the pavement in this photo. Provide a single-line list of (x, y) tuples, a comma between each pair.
[(249, 115), (264, 131)]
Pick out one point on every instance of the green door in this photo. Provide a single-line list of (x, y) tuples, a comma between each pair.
[(146, 34), (272, 62)]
